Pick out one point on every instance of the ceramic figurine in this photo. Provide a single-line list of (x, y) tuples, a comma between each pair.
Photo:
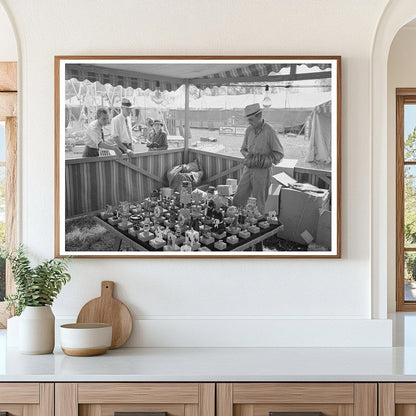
[(115, 219), (251, 203), (220, 245), (204, 248), (232, 239), (207, 238), (254, 229), (272, 218), (146, 235), (210, 193), (198, 196), (264, 224), (185, 193), (196, 211), (186, 245), (107, 213), (147, 204), (157, 212), (193, 237), (159, 234), (155, 195), (158, 242), (171, 243), (146, 225), (178, 234), (244, 234)]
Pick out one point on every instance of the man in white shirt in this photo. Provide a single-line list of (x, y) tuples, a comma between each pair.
[(121, 128), (94, 136)]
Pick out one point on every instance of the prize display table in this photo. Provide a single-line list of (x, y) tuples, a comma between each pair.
[(242, 245), (190, 221)]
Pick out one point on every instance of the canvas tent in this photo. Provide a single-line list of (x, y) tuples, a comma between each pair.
[(319, 134)]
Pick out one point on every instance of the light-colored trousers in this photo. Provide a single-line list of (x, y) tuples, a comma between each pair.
[(254, 182)]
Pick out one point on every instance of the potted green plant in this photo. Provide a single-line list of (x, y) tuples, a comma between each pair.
[(36, 289)]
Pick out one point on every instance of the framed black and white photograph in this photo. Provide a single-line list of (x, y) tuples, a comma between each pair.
[(198, 156)]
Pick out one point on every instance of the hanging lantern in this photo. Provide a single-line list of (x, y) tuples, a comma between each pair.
[(157, 96), (267, 101)]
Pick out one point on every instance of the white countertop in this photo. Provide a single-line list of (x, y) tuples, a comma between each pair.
[(215, 364), (222, 364)]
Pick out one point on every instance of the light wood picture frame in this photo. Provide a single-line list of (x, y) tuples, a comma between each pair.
[(139, 195)]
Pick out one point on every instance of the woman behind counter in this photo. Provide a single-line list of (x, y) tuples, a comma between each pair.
[(159, 140)]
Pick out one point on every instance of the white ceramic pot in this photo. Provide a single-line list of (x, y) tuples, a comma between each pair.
[(37, 330), (85, 339)]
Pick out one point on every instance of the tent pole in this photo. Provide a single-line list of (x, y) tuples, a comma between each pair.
[(187, 130)]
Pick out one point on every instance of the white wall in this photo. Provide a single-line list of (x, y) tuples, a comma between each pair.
[(8, 46), (293, 302), (401, 74)]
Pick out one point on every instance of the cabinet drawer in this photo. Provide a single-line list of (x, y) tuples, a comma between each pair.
[(21, 399), (397, 399), (146, 399), (309, 399)]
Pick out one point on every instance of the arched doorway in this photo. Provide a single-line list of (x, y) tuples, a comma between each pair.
[(8, 150), (396, 15)]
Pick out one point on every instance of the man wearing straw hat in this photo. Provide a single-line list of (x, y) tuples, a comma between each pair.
[(261, 149), (121, 128)]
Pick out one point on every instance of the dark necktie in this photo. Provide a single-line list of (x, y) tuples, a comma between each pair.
[(128, 129)]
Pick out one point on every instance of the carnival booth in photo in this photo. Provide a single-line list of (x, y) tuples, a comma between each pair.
[(91, 184)]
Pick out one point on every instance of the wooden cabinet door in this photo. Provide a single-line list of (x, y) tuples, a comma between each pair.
[(397, 399), (26, 399), (143, 399), (297, 399)]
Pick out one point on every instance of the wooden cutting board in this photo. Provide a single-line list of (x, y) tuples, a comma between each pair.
[(107, 309)]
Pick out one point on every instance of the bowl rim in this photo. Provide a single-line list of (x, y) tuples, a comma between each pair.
[(86, 325)]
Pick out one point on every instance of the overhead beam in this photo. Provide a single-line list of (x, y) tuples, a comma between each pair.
[(266, 78)]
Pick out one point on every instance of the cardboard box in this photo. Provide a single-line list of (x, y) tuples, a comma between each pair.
[(278, 181), (283, 179), (299, 212), (285, 165), (323, 234), (272, 203)]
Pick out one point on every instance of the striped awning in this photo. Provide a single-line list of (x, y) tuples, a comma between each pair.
[(260, 70), (171, 76)]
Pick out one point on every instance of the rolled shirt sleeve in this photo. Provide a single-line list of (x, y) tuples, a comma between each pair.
[(277, 152), (244, 148)]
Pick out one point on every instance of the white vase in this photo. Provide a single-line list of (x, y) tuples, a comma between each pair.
[(37, 330), (12, 334)]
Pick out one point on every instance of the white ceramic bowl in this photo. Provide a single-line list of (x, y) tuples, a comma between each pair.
[(84, 340)]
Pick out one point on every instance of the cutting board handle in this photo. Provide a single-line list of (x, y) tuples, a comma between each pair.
[(107, 289)]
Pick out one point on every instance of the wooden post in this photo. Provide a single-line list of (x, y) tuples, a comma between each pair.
[(11, 195), (186, 132)]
